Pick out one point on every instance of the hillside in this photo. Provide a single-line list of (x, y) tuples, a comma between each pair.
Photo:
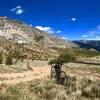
[(17, 31)]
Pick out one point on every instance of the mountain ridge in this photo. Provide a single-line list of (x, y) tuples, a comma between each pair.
[(12, 29), (18, 32), (89, 44)]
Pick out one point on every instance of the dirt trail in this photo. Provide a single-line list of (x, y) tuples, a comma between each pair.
[(14, 78), (41, 73)]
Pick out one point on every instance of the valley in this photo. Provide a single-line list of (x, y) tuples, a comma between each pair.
[(25, 53)]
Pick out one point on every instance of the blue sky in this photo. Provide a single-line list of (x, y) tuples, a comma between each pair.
[(69, 19)]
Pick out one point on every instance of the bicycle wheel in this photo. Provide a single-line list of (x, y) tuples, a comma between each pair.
[(53, 73), (62, 79)]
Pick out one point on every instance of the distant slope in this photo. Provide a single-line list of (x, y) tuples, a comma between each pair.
[(89, 44)]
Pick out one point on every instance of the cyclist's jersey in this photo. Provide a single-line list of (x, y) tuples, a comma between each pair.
[(57, 67)]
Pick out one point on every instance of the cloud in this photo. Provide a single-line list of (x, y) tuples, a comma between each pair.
[(92, 34), (84, 36), (18, 7), (47, 29), (18, 10), (73, 19), (97, 37), (64, 38), (13, 9), (30, 25), (98, 27), (58, 31)]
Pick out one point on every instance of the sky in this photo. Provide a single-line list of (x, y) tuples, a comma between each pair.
[(68, 19)]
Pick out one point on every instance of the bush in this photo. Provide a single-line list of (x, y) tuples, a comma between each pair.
[(1, 58), (63, 58), (9, 60), (66, 57), (52, 61)]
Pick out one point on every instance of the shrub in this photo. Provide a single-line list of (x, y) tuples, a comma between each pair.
[(9, 59), (52, 61), (63, 58), (66, 57), (1, 58)]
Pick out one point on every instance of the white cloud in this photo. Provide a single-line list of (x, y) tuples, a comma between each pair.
[(84, 36), (18, 7), (97, 37), (93, 34), (47, 29), (30, 24), (58, 31), (18, 10), (98, 27), (64, 38), (73, 19), (13, 9)]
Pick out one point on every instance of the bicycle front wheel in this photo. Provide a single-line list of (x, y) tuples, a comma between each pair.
[(53, 72), (62, 79)]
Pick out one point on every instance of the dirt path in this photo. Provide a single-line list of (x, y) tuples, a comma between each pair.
[(14, 78), (41, 73)]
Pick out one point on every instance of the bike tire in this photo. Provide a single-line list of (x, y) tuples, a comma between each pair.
[(53, 72), (62, 79)]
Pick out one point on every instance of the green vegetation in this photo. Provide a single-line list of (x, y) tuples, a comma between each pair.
[(66, 57), (9, 59), (79, 52), (1, 58), (63, 58), (85, 53)]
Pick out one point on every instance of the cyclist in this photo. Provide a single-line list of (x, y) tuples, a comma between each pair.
[(57, 67)]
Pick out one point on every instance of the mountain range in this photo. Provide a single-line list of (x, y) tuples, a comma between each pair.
[(14, 31), (88, 44)]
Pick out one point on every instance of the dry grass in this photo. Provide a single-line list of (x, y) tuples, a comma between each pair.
[(84, 88), (22, 66), (83, 70), (47, 90)]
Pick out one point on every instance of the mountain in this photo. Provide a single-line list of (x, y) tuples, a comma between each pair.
[(89, 44), (15, 31)]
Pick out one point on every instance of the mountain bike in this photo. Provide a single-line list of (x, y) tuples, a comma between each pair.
[(58, 75)]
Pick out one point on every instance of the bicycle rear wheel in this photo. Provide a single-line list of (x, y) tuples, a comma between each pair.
[(62, 79)]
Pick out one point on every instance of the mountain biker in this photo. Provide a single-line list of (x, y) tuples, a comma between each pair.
[(57, 67)]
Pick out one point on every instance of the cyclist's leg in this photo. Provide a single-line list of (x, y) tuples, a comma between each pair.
[(58, 75)]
